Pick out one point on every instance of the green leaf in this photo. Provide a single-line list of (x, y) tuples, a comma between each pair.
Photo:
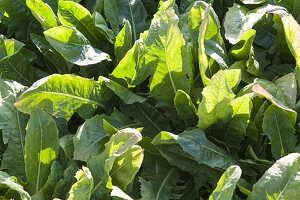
[(111, 12), (195, 143), (90, 139), (11, 183), (51, 54), (164, 56), (280, 181), (148, 117), (161, 186), (185, 107), (62, 95), (227, 183), (82, 189), (242, 49), (135, 12), (239, 19), (12, 123), (101, 165), (126, 95), (126, 167), (292, 34), (64, 185), (43, 13), (279, 124), (123, 41), (15, 61), (131, 68), (211, 108), (66, 143), (41, 149), (74, 46), (54, 176), (75, 15), (102, 26)]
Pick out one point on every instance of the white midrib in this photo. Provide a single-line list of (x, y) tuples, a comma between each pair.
[(75, 97), (163, 183), (278, 129), (288, 183), (167, 63), (39, 166), (132, 19)]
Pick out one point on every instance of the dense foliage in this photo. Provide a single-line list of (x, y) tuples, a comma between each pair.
[(149, 99)]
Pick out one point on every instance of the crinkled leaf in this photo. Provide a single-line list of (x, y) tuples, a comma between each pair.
[(164, 45), (216, 95), (62, 95), (82, 189), (12, 123)]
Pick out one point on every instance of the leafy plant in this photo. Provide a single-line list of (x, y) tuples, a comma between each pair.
[(148, 99)]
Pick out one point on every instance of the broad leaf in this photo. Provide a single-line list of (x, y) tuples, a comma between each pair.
[(133, 11), (11, 183), (185, 108), (161, 186), (47, 190), (82, 189), (123, 41), (125, 94), (227, 183), (12, 123), (15, 62), (63, 186), (126, 167), (196, 144), (62, 95), (51, 54), (90, 139), (280, 181), (41, 149), (211, 108), (43, 13), (131, 68), (74, 46), (75, 15), (239, 19), (279, 124), (164, 45), (148, 117), (101, 165)]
